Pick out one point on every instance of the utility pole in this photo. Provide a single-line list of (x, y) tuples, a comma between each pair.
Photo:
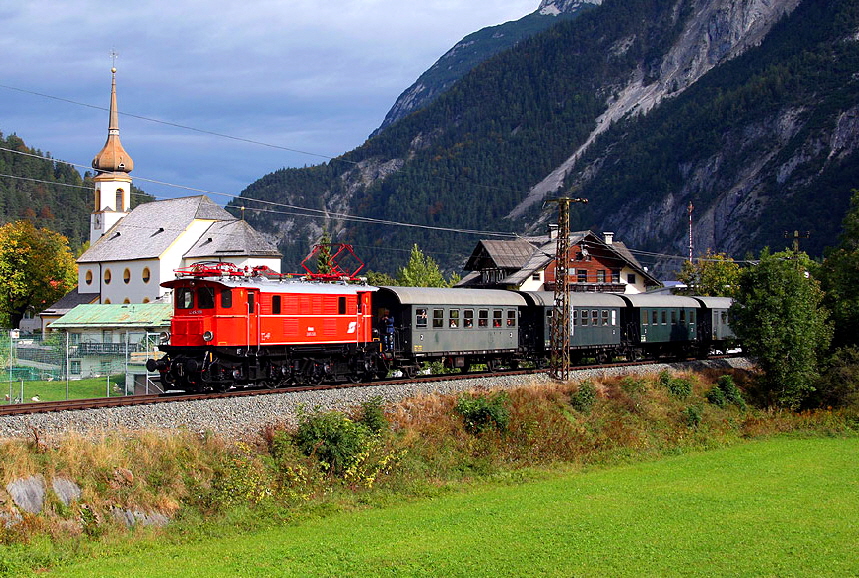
[(561, 318), (689, 209), (796, 236)]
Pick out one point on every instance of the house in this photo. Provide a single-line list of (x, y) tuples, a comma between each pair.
[(528, 264), (133, 251)]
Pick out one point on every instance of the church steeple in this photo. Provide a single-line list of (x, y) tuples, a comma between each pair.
[(112, 181)]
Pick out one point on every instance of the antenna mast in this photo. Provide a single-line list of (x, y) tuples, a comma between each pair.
[(689, 209)]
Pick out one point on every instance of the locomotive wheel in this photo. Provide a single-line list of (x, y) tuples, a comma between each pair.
[(355, 377)]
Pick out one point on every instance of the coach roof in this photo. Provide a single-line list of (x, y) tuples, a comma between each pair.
[(445, 296)]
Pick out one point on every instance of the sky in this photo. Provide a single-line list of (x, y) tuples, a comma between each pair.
[(310, 76)]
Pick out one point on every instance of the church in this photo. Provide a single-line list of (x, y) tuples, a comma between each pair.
[(133, 251)]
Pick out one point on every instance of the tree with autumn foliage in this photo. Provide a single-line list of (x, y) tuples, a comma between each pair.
[(36, 269)]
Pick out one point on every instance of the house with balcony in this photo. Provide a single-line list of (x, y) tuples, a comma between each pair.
[(595, 265)]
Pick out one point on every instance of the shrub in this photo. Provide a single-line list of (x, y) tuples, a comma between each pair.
[(838, 386), (732, 393), (631, 384), (677, 386), (373, 415), (717, 397), (584, 397), (334, 439), (484, 412), (692, 417)]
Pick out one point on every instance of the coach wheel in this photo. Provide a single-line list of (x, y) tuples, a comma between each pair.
[(410, 371), (602, 358), (492, 365)]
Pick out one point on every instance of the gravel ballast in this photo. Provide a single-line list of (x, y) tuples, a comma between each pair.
[(243, 417)]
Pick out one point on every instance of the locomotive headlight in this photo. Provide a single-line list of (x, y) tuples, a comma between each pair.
[(208, 336), (164, 337)]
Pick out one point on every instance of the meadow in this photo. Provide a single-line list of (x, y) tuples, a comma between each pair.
[(780, 507)]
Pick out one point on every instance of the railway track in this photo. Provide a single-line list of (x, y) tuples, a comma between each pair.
[(149, 399)]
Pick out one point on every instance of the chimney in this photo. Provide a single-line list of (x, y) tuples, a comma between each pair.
[(609, 237), (553, 231)]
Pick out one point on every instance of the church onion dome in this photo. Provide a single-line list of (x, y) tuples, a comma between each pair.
[(112, 158)]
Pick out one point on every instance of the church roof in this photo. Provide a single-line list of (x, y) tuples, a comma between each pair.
[(151, 228), (231, 238)]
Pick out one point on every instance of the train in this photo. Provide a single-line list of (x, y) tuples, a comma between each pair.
[(239, 327)]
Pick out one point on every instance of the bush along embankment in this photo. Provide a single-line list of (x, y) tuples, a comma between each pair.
[(81, 495)]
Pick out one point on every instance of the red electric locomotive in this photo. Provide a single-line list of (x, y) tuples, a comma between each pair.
[(237, 327)]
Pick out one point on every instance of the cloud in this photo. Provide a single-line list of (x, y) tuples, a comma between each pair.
[(313, 76)]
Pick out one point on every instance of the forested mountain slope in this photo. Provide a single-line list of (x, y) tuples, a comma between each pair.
[(749, 109), (49, 193)]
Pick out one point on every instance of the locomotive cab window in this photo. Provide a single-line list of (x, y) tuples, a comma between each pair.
[(184, 298), (275, 304), (226, 298), (206, 297), (341, 306), (251, 304), (420, 317)]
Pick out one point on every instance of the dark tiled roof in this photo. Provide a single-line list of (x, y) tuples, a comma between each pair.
[(69, 301), (504, 254), (150, 229), (231, 238)]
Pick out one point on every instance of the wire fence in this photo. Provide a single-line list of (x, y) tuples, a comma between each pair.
[(62, 366)]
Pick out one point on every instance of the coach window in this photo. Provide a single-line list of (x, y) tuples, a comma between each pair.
[(654, 320), (496, 318), (468, 318), (605, 316), (511, 318), (585, 318), (206, 297), (184, 298), (420, 317), (644, 317), (453, 320), (692, 317), (725, 317), (437, 318), (673, 317), (483, 318), (595, 317), (613, 317), (682, 317), (226, 298), (664, 317), (275, 304)]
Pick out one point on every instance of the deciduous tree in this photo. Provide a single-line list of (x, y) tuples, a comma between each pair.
[(421, 271), (714, 274), (36, 269), (780, 319)]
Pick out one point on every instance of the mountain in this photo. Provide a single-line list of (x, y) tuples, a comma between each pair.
[(748, 109), (476, 48), (50, 193)]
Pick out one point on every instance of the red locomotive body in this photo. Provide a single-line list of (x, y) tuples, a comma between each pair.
[(236, 327)]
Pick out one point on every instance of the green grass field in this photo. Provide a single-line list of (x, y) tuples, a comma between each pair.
[(56, 390), (782, 507)]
